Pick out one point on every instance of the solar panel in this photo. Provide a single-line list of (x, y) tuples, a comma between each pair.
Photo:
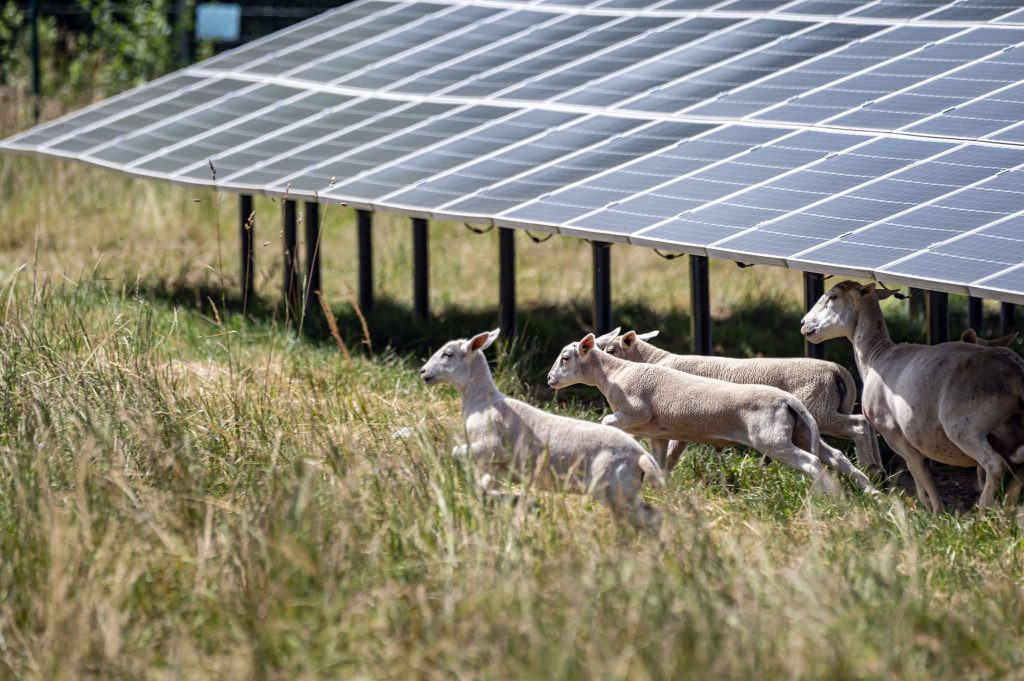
[(881, 137)]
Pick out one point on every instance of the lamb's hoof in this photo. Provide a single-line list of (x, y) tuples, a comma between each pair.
[(827, 485)]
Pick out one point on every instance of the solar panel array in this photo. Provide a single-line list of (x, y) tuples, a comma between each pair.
[(881, 138)]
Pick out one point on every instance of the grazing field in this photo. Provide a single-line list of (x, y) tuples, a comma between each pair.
[(189, 490)]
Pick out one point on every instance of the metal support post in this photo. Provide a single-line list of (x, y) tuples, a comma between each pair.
[(507, 280), (364, 225), (974, 313), (938, 317), (1006, 318), (700, 305), (602, 253), (247, 223), (311, 302), (292, 287), (420, 269), (814, 289)]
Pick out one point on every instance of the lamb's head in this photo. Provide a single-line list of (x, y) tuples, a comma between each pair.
[(451, 363), (835, 314), (626, 345), (572, 364)]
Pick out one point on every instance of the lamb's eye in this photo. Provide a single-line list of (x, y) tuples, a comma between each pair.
[(564, 359), (446, 353), (611, 350), (832, 297)]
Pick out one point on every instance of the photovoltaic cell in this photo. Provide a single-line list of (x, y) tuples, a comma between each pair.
[(881, 138)]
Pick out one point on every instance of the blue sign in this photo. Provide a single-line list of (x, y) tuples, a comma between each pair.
[(218, 21)]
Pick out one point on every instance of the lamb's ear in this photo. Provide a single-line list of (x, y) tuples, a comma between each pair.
[(629, 338), (649, 335), (584, 347), (868, 289), (482, 341), (969, 336), (1005, 341), (603, 341)]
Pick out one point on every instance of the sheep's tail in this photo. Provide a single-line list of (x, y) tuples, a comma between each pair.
[(652, 471), (804, 421), (846, 388)]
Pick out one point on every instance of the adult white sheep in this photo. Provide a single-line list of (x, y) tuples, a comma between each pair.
[(825, 388), (653, 401), (506, 436), (957, 403)]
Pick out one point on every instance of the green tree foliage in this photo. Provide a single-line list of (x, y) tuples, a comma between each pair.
[(127, 43)]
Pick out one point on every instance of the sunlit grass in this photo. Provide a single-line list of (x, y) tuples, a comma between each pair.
[(187, 493)]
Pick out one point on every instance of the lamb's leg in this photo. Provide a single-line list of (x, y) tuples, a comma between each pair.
[(837, 460), (832, 457), (659, 450), (857, 428), (640, 515), (800, 460), (675, 450), (627, 422)]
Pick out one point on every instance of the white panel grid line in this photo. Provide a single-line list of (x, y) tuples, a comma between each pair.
[(836, 195), (856, 74), (793, 67), (286, 179), (950, 240), (757, 185), (313, 118), (442, 210), (252, 43), (545, 74), (708, 38), (735, 14), (724, 62), (937, 10), (301, 95), (430, 43), (184, 114), (189, 70), (625, 167), (881, 178), (927, 81), (554, 21), (586, 110), (652, 190), (212, 79), (490, 155)]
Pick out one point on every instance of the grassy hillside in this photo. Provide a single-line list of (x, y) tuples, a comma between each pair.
[(190, 492)]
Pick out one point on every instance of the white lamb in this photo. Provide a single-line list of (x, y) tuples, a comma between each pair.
[(505, 435), (825, 388), (653, 401)]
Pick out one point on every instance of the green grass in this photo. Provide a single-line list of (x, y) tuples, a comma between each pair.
[(187, 491)]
